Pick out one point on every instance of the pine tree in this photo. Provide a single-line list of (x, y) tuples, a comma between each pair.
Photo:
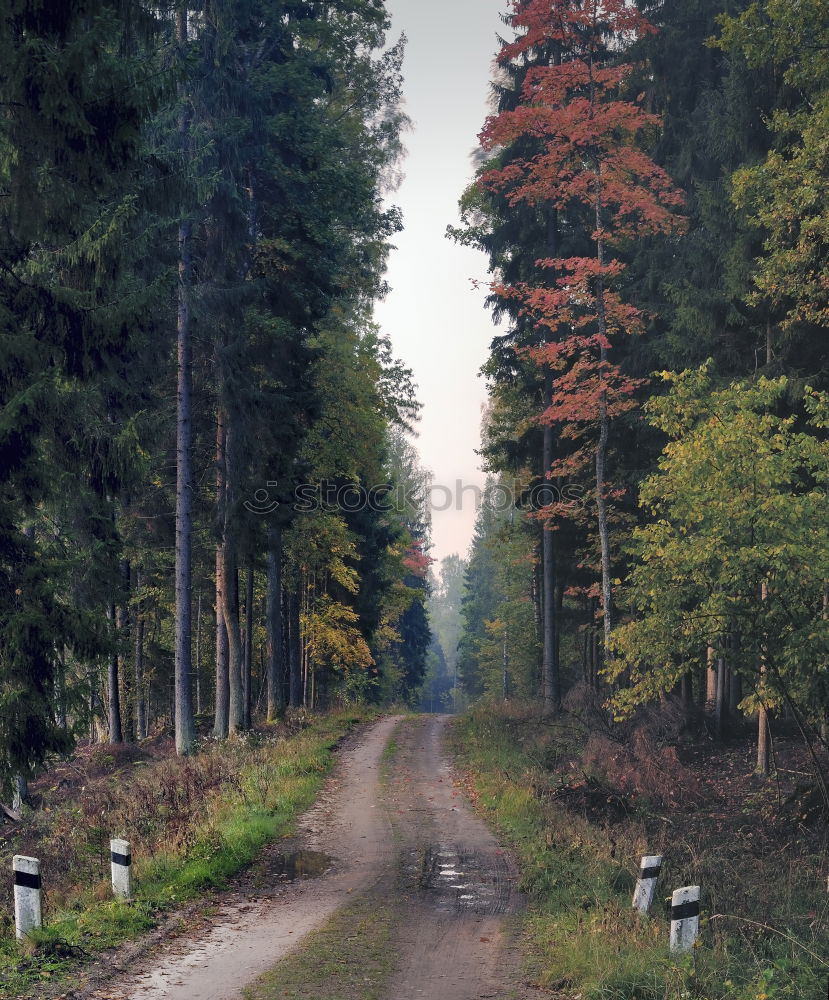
[(591, 159)]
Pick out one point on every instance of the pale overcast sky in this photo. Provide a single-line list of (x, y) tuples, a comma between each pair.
[(437, 322)]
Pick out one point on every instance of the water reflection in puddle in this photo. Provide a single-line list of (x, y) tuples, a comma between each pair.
[(471, 882), (299, 864)]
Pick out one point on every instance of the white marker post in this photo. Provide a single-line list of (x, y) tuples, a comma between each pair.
[(646, 883), (121, 868), (28, 912), (684, 919)]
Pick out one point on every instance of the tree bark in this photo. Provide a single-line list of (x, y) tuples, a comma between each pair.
[(763, 755), (122, 625), (184, 724), (60, 691), (222, 703), (550, 681), (551, 685), (535, 595), (197, 664), (294, 653), (763, 751), (230, 567), (230, 611), (710, 681), (21, 792), (721, 701), (116, 734), (247, 661), (276, 696), (601, 450), (138, 667)]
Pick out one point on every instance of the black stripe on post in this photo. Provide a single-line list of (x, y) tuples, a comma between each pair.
[(685, 910), (121, 859), (26, 879), (649, 873)]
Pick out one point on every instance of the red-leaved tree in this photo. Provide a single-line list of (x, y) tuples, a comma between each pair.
[(591, 166)]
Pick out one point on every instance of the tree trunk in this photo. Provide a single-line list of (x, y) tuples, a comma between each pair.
[(247, 662), (60, 691), (294, 653), (222, 702), (230, 574), (197, 664), (116, 734), (184, 725), (710, 681), (550, 680), (21, 792), (604, 436), (559, 592), (276, 697), (535, 595), (230, 609), (122, 625), (138, 668), (721, 700), (763, 757), (551, 684), (763, 754)]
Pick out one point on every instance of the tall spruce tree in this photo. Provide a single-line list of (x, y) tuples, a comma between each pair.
[(77, 87)]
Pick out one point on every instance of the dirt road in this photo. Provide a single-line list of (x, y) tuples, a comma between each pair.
[(411, 835), (459, 884)]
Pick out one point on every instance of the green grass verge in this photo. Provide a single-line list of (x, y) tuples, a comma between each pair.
[(352, 957), (582, 937), (280, 780)]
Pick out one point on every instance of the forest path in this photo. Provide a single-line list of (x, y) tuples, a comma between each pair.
[(410, 835), (458, 885)]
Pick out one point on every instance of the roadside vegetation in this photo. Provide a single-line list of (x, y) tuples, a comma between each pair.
[(193, 823), (580, 805)]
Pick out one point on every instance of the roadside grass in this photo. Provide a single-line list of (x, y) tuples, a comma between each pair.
[(352, 957), (267, 781), (583, 939), (390, 751)]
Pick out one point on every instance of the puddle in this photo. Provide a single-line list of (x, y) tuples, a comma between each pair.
[(460, 880), (299, 864)]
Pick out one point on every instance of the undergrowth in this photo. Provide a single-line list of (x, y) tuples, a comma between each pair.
[(579, 862), (192, 823)]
